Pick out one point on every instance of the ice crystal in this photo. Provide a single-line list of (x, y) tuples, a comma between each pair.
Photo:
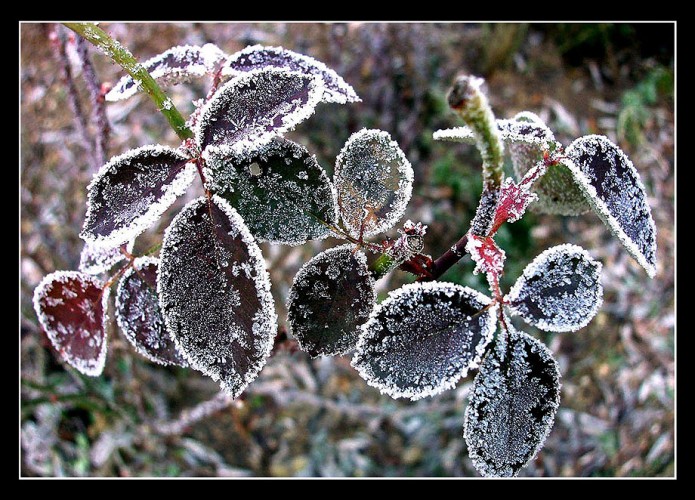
[(96, 259)]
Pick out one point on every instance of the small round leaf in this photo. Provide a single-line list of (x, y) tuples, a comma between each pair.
[(423, 338), (331, 297), (512, 406), (214, 293), (374, 181), (72, 310), (560, 291), (139, 316)]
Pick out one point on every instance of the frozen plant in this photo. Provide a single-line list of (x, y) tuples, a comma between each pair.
[(206, 304)]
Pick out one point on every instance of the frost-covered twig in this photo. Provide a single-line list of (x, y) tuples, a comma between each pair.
[(122, 56), (188, 417)]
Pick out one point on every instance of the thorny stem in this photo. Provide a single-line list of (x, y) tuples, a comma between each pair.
[(122, 56)]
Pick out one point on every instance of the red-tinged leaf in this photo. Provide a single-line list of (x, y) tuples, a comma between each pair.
[(259, 57), (175, 65), (248, 111), (488, 257), (132, 191), (72, 310), (139, 316), (512, 202), (215, 295)]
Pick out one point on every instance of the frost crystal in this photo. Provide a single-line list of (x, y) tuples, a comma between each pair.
[(258, 57), (457, 134), (132, 191), (488, 257), (176, 65), (139, 316), (374, 181), (253, 108), (72, 310), (331, 297), (96, 259), (615, 191), (288, 201), (512, 407), (560, 291), (215, 295), (423, 338)]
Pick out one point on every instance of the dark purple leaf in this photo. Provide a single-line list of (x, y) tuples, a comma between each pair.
[(331, 297), (215, 295), (176, 65), (139, 316), (423, 338), (374, 181), (560, 291), (251, 109), (615, 191), (96, 259), (512, 407), (258, 57), (132, 191), (72, 310), (280, 190)]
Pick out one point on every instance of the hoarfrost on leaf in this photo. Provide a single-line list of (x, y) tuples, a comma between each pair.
[(251, 109), (175, 65), (139, 316), (288, 200), (72, 309), (615, 191), (423, 338), (560, 291), (373, 181), (215, 295), (331, 297), (512, 406), (96, 259), (258, 57), (457, 134), (130, 192)]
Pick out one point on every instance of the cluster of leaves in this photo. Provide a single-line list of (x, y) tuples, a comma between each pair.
[(205, 303)]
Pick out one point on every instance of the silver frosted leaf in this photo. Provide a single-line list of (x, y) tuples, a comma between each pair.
[(248, 111), (215, 295), (139, 316), (557, 191), (72, 308), (423, 338), (258, 57), (615, 191), (280, 190), (512, 406), (331, 297), (457, 134), (130, 192), (560, 291), (374, 181), (175, 65), (95, 259)]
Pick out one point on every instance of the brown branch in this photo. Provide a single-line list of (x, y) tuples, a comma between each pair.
[(447, 259)]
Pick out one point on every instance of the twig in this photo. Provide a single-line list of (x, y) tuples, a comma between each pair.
[(188, 417), (447, 259)]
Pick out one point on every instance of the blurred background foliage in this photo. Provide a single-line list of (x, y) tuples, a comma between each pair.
[(305, 417)]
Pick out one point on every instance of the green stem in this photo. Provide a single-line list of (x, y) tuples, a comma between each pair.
[(122, 56), (469, 101), (382, 265)]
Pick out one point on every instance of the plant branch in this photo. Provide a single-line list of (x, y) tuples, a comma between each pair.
[(190, 416), (122, 56), (447, 259)]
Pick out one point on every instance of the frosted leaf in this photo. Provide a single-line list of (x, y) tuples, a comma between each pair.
[(139, 316), (615, 191), (557, 191), (560, 291), (176, 65), (258, 57), (374, 181), (488, 257), (130, 192), (96, 259), (423, 338), (285, 200), (251, 109), (215, 295), (457, 134), (331, 297), (512, 407), (72, 310)]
